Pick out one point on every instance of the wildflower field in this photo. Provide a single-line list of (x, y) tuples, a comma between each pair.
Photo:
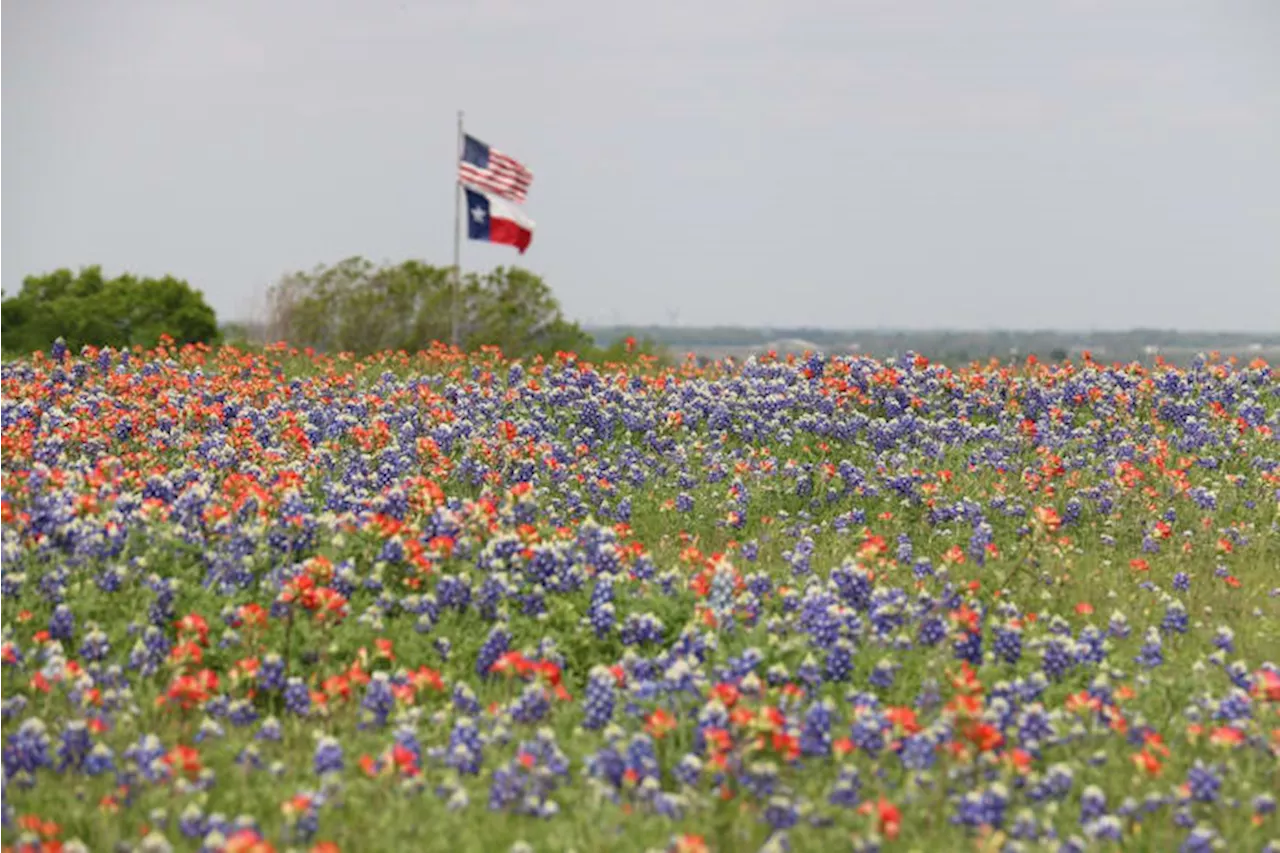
[(282, 601)]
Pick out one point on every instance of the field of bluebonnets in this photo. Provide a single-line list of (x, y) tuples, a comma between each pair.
[(280, 601)]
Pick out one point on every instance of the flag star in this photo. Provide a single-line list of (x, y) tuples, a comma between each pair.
[(477, 213)]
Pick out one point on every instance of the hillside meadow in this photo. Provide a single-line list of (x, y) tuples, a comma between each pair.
[(273, 601)]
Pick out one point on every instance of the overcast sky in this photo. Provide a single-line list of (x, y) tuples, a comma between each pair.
[(1029, 164)]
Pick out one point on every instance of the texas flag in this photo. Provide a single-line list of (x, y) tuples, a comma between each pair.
[(494, 220)]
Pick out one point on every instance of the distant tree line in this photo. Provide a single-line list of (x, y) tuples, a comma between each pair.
[(957, 346), (360, 307), (352, 306)]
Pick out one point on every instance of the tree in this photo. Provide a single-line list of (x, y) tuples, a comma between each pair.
[(86, 308), (516, 311), (357, 307)]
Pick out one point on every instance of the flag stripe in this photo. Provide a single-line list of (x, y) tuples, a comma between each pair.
[(494, 220), (506, 189), (511, 188), (501, 174), (509, 233)]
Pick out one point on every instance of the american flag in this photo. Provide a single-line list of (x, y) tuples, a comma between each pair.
[(490, 169)]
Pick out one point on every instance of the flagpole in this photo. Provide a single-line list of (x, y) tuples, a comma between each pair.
[(457, 240)]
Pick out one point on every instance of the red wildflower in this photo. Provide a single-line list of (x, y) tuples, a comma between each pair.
[(785, 745), (967, 681), (252, 615), (1154, 741), (186, 654), (1268, 686), (512, 663), (903, 718), (726, 693), (1048, 518), (185, 760), (188, 691), (965, 618), (984, 736), (1226, 736), (659, 723), (1019, 760), (1147, 762), (425, 677), (194, 623), (46, 829), (247, 841), (888, 817), (689, 843), (405, 760), (296, 804)]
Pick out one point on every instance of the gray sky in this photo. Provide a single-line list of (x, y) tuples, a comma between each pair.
[(1030, 163)]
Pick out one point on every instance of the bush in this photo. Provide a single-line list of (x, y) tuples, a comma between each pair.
[(357, 307), (87, 308)]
